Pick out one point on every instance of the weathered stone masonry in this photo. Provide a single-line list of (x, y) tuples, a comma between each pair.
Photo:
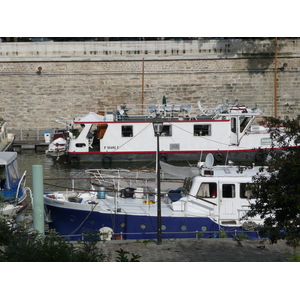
[(72, 85)]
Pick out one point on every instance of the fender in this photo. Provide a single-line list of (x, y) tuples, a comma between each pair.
[(219, 157), (163, 157), (74, 159), (106, 159)]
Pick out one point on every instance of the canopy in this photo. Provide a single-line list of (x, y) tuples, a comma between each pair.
[(7, 157), (177, 171), (9, 161), (90, 118)]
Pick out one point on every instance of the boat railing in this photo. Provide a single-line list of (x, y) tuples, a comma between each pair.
[(21, 184), (175, 110), (186, 110), (235, 234), (117, 178), (30, 134)]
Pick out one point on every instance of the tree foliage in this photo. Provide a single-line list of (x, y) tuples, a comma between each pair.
[(16, 245), (278, 193)]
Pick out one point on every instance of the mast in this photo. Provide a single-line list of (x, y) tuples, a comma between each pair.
[(275, 78), (143, 85)]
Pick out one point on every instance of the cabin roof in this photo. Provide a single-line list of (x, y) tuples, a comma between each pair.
[(7, 157), (90, 118)]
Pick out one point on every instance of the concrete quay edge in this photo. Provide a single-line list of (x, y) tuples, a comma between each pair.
[(200, 250)]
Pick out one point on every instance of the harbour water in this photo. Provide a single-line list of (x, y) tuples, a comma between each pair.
[(58, 173)]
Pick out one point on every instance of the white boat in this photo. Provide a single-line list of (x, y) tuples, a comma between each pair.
[(214, 201), (228, 132), (57, 147), (59, 144), (6, 139), (13, 190)]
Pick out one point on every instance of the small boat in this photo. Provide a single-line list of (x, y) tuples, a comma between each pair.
[(6, 139), (228, 131), (214, 201), (58, 146), (13, 190)]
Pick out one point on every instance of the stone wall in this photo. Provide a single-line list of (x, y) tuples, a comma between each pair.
[(67, 86)]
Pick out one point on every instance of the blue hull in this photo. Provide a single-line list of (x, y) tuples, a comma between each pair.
[(75, 223)]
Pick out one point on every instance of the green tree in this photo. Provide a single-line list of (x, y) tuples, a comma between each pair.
[(278, 193), (16, 245)]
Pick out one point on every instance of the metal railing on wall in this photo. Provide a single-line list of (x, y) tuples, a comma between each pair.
[(232, 234)]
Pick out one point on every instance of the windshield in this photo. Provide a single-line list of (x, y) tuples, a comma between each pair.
[(12, 175)]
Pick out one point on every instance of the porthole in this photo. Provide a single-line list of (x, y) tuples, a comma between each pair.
[(72, 219), (92, 221), (183, 228), (143, 226), (163, 227), (80, 145), (203, 228), (122, 224)]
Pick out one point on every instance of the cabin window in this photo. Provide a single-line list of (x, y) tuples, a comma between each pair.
[(202, 130), (244, 122), (233, 125), (228, 191), (207, 190), (266, 141), (245, 190), (166, 130), (2, 177), (127, 131)]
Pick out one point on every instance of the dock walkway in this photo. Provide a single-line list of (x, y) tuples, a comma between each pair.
[(36, 145)]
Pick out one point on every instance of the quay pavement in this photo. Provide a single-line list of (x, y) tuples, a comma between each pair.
[(200, 250)]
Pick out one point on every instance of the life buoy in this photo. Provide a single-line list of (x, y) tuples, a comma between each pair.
[(106, 159), (219, 156), (163, 157), (74, 159), (106, 233), (249, 226)]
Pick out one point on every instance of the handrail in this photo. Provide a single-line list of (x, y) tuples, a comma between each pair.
[(19, 186)]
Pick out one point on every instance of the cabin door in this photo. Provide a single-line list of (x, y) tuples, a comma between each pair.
[(228, 209), (234, 131)]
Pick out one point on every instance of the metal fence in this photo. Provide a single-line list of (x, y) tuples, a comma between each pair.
[(37, 134)]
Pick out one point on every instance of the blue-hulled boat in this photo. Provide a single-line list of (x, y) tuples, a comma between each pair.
[(208, 204)]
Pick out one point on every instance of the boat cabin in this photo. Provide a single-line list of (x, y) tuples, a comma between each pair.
[(185, 135), (222, 192), (9, 177)]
